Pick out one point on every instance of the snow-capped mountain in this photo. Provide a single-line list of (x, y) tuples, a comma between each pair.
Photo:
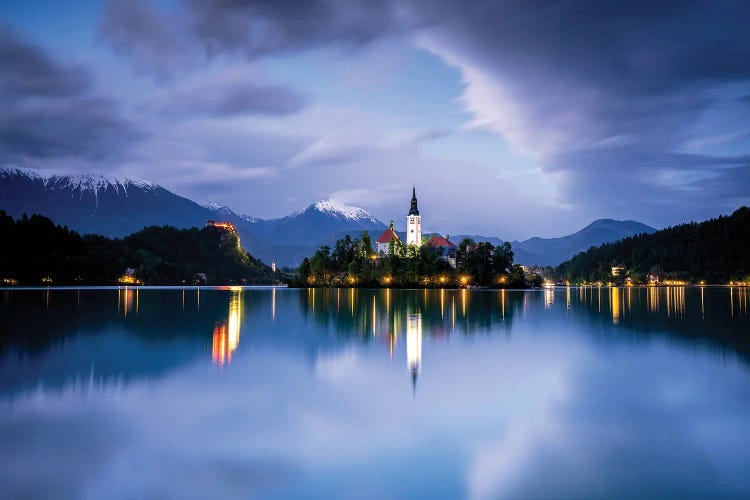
[(346, 212), (77, 184), (300, 234), (117, 206), (114, 206)]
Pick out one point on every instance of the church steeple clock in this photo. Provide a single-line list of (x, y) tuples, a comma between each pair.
[(414, 222)]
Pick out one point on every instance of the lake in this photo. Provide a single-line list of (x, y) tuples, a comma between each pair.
[(289, 393)]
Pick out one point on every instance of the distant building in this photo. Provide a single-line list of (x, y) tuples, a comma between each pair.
[(530, 271), (221, 225), (617, 271), (384, 241), (273, 266), (413, 222), (445, 246)]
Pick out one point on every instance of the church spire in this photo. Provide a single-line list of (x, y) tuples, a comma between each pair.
[(413, 210)]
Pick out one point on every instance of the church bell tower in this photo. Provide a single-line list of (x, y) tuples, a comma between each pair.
[(414, 222)]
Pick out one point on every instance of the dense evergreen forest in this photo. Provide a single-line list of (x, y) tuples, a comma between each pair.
[(715, 251), (33, 251), (352, 262)]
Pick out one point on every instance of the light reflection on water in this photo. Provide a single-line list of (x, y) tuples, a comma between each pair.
[(605, 392)]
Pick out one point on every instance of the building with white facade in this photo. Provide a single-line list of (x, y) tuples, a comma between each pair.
[(414, 222)]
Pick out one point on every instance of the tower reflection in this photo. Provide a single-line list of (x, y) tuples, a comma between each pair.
[(414, 346), (226, 336)]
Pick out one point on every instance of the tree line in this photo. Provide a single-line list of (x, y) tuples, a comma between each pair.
[(353, 262), (33, 251), (714, 251)]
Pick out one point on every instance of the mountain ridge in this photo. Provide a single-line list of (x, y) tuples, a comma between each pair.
[(116, 206)]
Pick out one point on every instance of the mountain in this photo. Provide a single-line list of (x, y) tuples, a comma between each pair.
[(118, 206), (290, 239), (96, 204), (717, 251), (553, 251)]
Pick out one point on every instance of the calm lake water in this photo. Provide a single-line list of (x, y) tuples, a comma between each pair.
[(237, 393)]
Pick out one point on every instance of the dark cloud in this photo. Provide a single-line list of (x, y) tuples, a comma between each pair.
[(268, 26), (625, 71), (232, 94), (27, 71), (161, 41), (50, 109), (607, 96), (154, 41)]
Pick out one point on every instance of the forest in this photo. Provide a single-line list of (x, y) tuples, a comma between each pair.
[(35, 251), (353, 263), (715, 251)]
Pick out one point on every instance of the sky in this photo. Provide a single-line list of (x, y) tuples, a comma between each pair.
[(513, 118)]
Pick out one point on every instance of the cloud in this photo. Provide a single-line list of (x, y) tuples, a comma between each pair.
[(50, 109), (233, 92), (270, 26), (163, 42), (613, 434), (597, 94), (25, 71), (137, 31), (577, 75)]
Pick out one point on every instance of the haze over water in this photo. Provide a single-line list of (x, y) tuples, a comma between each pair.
[(206, 393)]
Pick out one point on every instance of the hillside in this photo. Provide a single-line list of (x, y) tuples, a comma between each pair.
[(553, 251), (118, 206), (34, 251), (717, 251)]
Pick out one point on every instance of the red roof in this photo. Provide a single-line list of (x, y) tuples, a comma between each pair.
[(439, 242), (387, 236)]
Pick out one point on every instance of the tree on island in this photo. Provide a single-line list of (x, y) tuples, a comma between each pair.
[(353, 262)]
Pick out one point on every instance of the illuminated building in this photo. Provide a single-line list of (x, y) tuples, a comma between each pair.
[(221, 225), (413, 222), (384, 241)]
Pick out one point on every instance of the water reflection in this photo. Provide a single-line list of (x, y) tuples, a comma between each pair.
[(383, 316), (738, 294), (226, 335), (127, 300), (414, 346), (524, 393), (615, 305)]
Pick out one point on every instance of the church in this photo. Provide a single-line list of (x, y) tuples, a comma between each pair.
[(414, 235)]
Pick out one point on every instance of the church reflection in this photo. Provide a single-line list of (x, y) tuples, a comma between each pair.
[(226, 335), (401, 320), (406, 322), (414, 346), (403, 326)]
